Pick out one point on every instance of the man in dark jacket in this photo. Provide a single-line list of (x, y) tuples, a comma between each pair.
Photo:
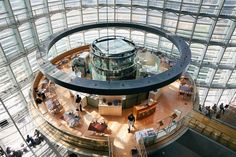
[(78, 103), (131, 120)]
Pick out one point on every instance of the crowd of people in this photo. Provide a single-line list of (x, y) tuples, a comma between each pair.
[(14, 153), (31, 142), (35, 140), (214, 110)]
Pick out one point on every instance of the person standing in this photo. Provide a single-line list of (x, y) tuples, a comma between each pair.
[(214, 108), (78, 102), (131, 120), (200, 108), (208, 114), (222, 108), (80, 107), (75, 66)]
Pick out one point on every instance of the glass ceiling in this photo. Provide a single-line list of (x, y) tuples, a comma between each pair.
[(208, 26)]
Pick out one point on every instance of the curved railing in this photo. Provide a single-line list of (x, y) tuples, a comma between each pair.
[(114, 87), (80, 144)]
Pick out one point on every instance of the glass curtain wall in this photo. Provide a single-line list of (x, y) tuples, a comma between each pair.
[(208, 26)]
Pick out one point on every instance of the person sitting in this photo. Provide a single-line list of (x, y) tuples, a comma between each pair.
[(30, 141)]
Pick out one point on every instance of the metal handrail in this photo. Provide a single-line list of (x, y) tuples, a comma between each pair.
[(195, 121), (110, 145), (141, 148)]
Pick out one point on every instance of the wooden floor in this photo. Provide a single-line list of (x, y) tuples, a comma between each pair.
[(123, 141)]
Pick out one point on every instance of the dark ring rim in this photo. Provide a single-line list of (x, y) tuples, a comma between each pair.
[(117, 87)]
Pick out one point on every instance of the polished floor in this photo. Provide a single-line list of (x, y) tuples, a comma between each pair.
[(123, 142)]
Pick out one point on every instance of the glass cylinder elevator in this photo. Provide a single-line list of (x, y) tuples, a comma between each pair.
[(113, 58)]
